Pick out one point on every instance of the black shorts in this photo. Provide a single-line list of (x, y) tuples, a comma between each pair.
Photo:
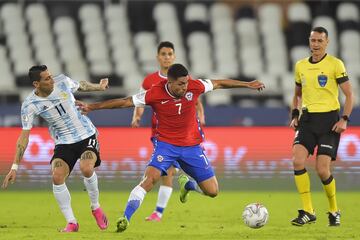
[(315, 129), (70, 153)]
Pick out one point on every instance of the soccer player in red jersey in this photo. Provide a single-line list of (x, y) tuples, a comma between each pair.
[(178, 134), (165, 58)]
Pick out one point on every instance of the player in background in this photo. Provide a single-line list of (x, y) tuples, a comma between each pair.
[(165, 58), (74, 134), (178, 134), (318, 79)]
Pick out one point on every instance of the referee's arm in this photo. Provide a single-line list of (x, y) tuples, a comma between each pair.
[(349, 97), (341, 125)]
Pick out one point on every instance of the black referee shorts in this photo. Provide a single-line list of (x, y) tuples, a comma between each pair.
[(315, 129), (70, 153)]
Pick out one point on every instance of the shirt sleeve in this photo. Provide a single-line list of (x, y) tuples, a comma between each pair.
[(146, 84), (207, 84), (139, 99), (27, 116), (73, 84), (340, 74)]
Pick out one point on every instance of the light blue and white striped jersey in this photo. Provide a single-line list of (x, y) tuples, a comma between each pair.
[(66, 123)]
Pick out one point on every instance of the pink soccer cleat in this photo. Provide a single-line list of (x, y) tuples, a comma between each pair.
[(100, 218), (71, 227), (153, 217)]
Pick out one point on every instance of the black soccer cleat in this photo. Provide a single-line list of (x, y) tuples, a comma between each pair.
[(334, 219), (303, 218)]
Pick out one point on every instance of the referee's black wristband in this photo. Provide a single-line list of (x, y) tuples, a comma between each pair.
[(346, 118), (295, 113)]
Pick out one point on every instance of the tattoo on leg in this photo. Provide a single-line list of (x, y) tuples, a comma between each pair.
[(86, 155), (58, 164)]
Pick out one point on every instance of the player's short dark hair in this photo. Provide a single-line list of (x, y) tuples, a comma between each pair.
[(320, 30), (165, 44), (34, 72), (176, 71)]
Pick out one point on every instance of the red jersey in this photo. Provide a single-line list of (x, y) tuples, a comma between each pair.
[(152, 79), (176, 119), (149, 81)]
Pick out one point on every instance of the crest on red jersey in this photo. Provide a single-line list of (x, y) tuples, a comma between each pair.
[(189, 96)]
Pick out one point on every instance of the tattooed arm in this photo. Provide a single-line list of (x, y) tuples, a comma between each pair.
[(90, 87), (21, 145)]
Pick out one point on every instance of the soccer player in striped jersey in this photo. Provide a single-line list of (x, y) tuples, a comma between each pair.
[(318, 79), (165, 58), (74, 134), (178, 134)]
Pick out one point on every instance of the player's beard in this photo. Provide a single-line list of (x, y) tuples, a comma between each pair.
[(180, 95)]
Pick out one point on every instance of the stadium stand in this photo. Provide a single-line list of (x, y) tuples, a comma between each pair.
[(224, 40), (88, 40)]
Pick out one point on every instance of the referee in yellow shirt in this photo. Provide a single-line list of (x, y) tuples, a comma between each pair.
[(318, 79)]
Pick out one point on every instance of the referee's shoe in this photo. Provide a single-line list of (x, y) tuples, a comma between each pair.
[(303, 218)]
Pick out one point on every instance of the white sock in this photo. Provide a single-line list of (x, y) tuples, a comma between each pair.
[(63, 198), (136, 197), (138, 193), (91, 185), (163, 197)]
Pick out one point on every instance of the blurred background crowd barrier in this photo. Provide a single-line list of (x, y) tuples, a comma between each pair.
[(243, 157)]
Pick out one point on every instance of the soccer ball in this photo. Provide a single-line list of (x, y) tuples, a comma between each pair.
[(255, 215)]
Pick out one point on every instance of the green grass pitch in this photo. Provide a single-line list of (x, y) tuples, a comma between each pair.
[(35, 215)]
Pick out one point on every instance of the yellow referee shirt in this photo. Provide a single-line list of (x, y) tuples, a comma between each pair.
[(319, 82)]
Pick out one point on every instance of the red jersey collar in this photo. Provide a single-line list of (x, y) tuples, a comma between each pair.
[(162, 76), (168, 91)]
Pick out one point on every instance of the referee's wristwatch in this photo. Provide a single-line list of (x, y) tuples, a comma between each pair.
[(346, 118)]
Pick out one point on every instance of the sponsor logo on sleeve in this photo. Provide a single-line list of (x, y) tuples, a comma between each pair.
[(140, 96), (25, 118)]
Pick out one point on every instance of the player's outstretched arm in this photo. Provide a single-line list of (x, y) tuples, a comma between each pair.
[(138, 112), (109, 104), (21, 145), (230, 83), (86, 86)]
